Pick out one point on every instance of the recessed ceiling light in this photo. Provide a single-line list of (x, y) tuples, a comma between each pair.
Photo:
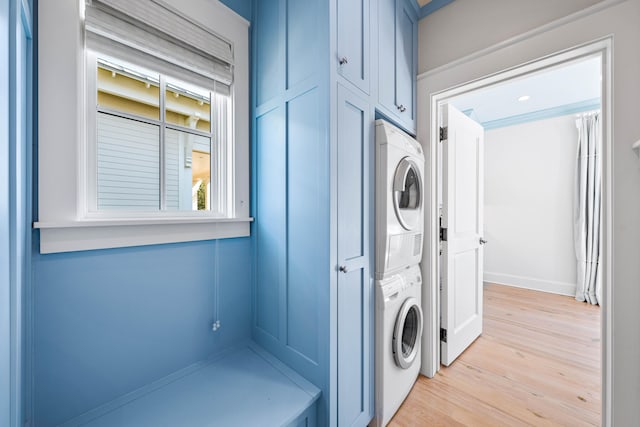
[(524, 98)]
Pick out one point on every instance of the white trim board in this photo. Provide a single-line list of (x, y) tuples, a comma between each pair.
[(532, 283)]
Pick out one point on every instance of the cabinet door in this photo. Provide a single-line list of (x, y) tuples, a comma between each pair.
[(387, 54), (353, 50), (406, 37), (354, 285)]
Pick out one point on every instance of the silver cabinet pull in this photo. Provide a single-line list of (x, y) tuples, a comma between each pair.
[(343, 60), (482, 241), (343, 269), (402, 108)]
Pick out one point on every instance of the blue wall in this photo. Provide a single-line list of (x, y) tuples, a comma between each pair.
[(107, 322), (15, 204), (241, 7), (110, 321), (5, 278), (291, 186)]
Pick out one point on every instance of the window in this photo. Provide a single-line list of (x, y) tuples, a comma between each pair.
[(143, 124), (153, 147)]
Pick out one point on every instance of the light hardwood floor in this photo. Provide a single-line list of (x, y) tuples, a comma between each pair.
[(536, 363)]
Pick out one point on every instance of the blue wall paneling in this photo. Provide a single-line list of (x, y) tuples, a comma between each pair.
[(312, 145), (5, 277), (15, 205), (291, 186)]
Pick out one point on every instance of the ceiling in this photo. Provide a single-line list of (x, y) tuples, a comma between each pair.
[(562, 89)]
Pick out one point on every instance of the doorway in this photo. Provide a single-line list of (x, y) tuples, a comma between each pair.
[(431, 261)]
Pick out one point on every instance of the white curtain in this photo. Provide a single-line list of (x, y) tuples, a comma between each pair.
[(587, 209)]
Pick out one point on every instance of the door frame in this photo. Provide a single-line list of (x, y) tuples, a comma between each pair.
[(455, 81)]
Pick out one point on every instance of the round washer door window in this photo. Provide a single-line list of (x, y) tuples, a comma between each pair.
[(407, 333), (407, 193)]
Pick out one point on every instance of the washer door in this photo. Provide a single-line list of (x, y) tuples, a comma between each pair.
[(407, 193), (407, 333)]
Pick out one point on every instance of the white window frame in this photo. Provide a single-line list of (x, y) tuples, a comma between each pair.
[(64, 120)]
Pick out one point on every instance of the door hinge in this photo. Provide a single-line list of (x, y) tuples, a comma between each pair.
[(443, 234), (444, 133), (443, 335)]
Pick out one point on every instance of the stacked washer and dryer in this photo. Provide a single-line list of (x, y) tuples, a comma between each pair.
[(399, 238)]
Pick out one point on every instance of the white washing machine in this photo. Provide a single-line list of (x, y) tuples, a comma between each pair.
[(398, 335), (399, 200)]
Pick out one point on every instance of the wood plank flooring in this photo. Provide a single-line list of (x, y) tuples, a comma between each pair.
[(537, 363)]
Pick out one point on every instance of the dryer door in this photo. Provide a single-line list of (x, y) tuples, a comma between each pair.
[(407, 193), (407, 333)]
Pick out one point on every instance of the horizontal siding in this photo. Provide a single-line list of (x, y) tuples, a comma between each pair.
[(128, 160)]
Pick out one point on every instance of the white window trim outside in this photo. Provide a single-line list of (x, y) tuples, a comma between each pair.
[(62, 147)]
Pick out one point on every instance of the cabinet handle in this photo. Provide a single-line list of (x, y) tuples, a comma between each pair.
[(343, 269), (482, 241), (343, 60), (402, 108)]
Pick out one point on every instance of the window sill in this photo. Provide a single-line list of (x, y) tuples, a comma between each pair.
[(82, 235)]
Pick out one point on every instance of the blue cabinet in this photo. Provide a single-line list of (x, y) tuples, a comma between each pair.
[(313, 165), (397, 61), (354, 293), (353, 40)]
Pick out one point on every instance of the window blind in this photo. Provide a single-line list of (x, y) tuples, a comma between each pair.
[(152, 31)]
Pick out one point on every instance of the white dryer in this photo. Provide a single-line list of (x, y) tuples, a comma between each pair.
[(398, 334), (399, 200)]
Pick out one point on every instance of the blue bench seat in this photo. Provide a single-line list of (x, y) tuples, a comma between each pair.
[(246, 386)]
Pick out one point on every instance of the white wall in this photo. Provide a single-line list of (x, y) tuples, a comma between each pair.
[(618, 19), (483, 23), (529, 178)]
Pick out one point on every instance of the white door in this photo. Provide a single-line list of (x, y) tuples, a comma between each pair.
[(461, 233)]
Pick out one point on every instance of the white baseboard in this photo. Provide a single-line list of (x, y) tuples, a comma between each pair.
[(561, 288)]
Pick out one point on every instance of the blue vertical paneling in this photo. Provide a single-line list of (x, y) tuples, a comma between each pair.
[(110, 321), (308, 211), (302, 21), (269, 64), (291, 185), (5, 279), (271, 219), (15, 215)]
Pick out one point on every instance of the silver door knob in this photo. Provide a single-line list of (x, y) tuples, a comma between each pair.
[(343, 60), (343, 269), (482, 241)]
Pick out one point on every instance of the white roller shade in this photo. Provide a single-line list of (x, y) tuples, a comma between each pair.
[(172, 43)]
